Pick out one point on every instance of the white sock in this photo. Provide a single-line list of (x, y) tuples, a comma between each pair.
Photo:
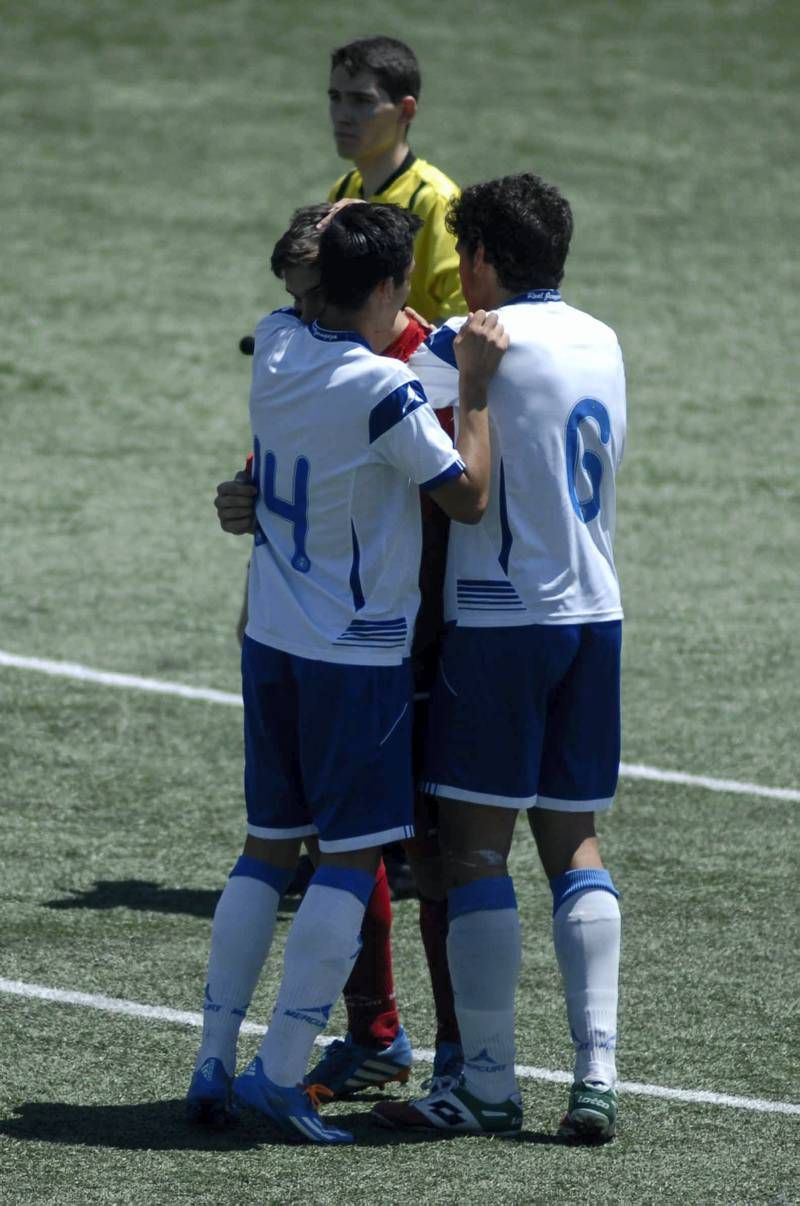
[(241, 935), (586, 934), (321, 949), (484, 952)]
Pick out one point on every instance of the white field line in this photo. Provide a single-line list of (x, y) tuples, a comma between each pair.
[(182, 1017), (627, 770)]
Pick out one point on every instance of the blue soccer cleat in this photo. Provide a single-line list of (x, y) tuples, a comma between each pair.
[(209, 1102), (347, 1067), (293, 1110)]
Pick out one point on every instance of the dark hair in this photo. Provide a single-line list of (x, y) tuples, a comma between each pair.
[(393, 64), (524, 224), (362, 246), (300, 243)]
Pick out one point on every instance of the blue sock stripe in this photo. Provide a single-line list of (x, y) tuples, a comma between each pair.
[(566, 885), (253, 868), (346, 879), (494, 893)]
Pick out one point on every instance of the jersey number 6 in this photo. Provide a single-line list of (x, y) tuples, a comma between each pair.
[(588, 408)]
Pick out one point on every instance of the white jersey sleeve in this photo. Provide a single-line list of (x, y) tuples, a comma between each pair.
[(405, 433), (434, 362)]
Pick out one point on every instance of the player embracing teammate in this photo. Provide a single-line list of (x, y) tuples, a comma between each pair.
[(525, 711)]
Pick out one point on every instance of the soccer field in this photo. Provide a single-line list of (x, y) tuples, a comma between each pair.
[(152, 153)]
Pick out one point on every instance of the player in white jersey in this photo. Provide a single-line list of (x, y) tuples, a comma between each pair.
[(525, 710), (343, 438)]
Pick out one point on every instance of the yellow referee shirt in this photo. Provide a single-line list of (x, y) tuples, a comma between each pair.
[(425, 191)]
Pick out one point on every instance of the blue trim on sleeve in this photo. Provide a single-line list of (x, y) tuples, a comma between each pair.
[(452, 471), (286, 310), (253, 868), (587, 878), (345, 879), (395, 407), (440, 342), (481, 895)]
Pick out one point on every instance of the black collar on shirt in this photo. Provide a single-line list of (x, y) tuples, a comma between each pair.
[(404, 166)]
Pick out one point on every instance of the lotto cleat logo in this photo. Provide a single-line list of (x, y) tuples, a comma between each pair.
[(314, 1015), (449, 1113)]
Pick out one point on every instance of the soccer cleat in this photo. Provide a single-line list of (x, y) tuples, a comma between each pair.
[(452, 1111), (208, 1101), (591, 1116), (293, 1110), (448, 1065), (347, 1067)]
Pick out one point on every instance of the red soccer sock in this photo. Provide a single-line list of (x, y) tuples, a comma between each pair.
[(433, 927), (372, 1018)]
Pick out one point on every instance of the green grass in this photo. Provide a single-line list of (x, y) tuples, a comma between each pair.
[(152, 155)]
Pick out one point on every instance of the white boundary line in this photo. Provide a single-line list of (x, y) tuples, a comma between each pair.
[(627, 770), (181, 1017)]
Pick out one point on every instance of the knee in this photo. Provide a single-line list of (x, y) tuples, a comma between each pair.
[(425, 860), (463, 866)]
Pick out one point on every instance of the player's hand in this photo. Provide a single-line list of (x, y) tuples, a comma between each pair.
[(423, 322), (336, 208), (479, 347), (236, 505)]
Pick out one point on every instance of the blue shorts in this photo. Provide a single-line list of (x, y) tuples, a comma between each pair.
[(327, 749), (527, 716)]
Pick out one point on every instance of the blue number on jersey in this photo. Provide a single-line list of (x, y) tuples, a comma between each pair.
[(588, 408), (294, 512)]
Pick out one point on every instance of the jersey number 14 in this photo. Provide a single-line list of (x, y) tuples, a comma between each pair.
[(294, 512)]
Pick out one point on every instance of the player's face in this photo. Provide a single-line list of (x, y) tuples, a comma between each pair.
[(473, 284), (302, 282), (366, 121)]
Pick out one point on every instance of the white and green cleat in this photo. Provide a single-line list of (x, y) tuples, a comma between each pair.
[(591, 1116), (452, 1110)]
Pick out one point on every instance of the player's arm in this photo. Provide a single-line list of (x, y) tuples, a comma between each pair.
[(479, 348)]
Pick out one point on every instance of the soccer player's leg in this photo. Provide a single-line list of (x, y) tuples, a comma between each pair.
[(425, 856), (245, 916), (482, 773), (483, 948), (578, 778), (376, 1050), (354, 755)]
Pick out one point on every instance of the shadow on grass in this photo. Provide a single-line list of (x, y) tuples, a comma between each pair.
[(160, 1126), (154, 1125), (144, 895)]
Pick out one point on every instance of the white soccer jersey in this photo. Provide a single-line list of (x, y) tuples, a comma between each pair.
[(342, 440), (542, 554)]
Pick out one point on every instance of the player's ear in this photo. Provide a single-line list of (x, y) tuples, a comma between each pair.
[(408, 109)]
